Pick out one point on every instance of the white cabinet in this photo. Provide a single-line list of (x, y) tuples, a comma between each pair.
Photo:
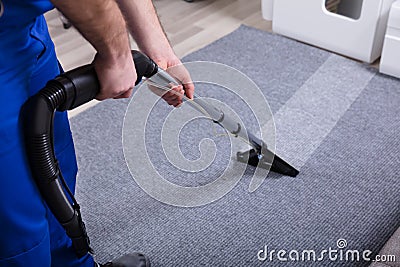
[(390, 60), (356, 31)]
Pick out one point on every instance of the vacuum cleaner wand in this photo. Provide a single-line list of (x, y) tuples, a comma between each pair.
[(259, 156)]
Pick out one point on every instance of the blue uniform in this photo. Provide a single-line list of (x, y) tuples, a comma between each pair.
[(29, 233)]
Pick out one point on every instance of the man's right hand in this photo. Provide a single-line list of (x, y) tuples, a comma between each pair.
[(117, 76), (102, 24)]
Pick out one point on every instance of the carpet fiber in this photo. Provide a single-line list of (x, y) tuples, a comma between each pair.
[(336, 120)]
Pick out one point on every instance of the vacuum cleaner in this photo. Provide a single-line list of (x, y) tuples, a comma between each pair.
[(78, 86)]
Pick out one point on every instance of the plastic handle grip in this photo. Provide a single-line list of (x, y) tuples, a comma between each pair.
[(82, 84)]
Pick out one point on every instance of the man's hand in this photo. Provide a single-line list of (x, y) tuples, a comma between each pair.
[(174, 67), (117, 76), (102, 24), (146, 29)]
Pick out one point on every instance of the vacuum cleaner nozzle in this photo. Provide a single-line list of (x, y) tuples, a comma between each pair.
[(278, 165)]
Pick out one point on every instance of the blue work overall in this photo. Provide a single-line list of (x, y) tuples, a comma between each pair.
[(29, 233)]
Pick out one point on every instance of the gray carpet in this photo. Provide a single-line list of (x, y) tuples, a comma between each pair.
[(337, 120)]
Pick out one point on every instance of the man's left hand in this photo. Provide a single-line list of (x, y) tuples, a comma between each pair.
[(175, 68)]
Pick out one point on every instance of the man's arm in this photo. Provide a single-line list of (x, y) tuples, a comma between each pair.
[(102, 24), (146, 29)]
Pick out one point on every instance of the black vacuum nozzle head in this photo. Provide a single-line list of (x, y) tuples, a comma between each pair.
[(278, 165)]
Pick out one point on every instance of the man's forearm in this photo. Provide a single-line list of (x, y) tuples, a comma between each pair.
[(145, 27), (100, 22)]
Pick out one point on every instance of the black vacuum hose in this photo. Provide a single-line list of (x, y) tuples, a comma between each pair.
[(67, 91)]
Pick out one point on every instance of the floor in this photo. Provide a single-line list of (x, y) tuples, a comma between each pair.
[(189, 26), (334, 128)]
